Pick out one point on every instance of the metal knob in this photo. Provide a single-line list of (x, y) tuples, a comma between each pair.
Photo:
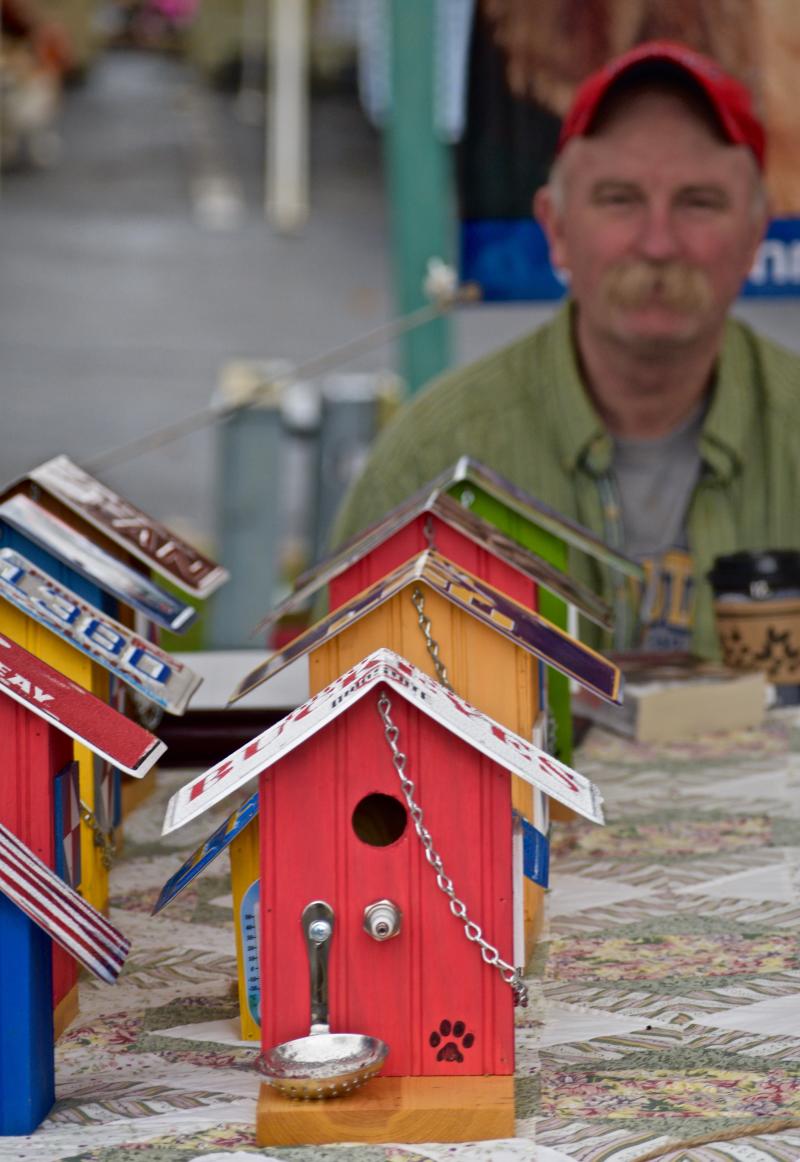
[(382, 919), (319, 931)]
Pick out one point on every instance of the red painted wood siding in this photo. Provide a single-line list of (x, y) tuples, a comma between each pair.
[(31, 755), (403, 989), (409, 541)]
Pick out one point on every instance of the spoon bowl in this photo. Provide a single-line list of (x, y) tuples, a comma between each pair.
[(323, 1065)]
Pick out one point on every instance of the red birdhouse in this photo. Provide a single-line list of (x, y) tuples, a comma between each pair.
[(41, 713), (74, 558), (362, 790), (486, 645)]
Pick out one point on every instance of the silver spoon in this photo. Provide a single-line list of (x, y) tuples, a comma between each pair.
[(323, 1064)]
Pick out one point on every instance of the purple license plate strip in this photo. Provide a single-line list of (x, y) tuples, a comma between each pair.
[(138, 663), (526, 629), (95, 564)]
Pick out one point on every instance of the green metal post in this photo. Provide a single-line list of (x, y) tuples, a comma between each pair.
[(419, 171)]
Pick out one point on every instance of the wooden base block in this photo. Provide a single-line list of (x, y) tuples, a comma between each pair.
[(392, 1109), (65, 1012)]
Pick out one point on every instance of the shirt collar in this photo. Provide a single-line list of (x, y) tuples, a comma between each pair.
[(580, 434), (731, 414)]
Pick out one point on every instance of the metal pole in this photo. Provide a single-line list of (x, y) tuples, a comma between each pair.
[(2, 109), (248, 517), (419, 174), (286, 179)]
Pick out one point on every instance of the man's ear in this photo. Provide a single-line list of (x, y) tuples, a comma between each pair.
[(763, 218), (546, 213), (762, 215)]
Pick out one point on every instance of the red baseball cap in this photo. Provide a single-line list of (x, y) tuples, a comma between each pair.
[(729, 98)]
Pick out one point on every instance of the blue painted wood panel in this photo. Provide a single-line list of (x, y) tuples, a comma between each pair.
[(27, 1072)]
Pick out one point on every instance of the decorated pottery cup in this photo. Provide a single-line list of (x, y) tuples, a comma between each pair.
[(757, 607)]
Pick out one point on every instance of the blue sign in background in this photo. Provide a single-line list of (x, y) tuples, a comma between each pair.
[(508, 258)]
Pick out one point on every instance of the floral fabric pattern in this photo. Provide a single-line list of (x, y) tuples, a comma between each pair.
[(664, 1019)]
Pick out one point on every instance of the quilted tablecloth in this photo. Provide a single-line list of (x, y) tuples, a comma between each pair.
[(665, 1013)]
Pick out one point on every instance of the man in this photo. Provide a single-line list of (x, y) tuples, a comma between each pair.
[(641, 410)]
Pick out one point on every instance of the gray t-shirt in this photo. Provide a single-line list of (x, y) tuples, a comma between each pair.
[(655, 481)]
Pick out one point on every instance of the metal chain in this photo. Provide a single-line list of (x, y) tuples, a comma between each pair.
[(424, 622), (512, 976), (102, 839)]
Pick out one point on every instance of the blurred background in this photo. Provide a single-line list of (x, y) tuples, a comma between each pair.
[(199, 199)]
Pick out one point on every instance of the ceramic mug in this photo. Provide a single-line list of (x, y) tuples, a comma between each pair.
[(757, 609)]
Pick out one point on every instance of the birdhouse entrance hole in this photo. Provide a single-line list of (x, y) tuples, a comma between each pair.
[(379, 820)]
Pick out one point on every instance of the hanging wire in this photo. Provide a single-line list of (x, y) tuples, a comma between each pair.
[(328, 361)]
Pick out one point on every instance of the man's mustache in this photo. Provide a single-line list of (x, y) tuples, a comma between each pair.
[(675, 285)]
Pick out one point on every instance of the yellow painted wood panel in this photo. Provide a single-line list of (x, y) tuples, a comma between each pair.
[(483, 667), (245, 872)]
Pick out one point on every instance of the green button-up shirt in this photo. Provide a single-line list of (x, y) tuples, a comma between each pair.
[(525, 412)]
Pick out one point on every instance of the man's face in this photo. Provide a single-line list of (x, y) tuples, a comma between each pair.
[(657, 221)]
